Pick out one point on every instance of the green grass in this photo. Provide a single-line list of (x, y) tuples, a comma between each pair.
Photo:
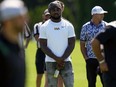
[(77, 61)]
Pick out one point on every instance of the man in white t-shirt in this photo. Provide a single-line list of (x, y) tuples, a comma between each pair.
[(57, 40)]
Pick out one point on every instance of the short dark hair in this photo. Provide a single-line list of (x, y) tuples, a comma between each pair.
[(62, 4), (54, 4)]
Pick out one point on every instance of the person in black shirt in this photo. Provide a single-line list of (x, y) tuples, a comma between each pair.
[(12, 58), (107, 62)]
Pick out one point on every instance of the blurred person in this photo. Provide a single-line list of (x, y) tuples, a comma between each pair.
[(57, 40), (26, 34), (40, 56), (12, 57), (88, 32), (107, 62)]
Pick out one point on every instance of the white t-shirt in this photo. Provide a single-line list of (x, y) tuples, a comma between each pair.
[(57, 35), (36, 31)]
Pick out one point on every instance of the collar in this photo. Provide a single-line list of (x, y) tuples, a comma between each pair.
[(100, 24)]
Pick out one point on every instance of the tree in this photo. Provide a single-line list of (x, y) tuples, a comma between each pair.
[(77, 12)]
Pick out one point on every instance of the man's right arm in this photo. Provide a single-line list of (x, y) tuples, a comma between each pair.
[(43, 43), (46, 50), (36, 32), (83, 42), (83, 49)]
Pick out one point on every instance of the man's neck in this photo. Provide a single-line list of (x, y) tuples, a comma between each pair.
[(11, 36), (96, 22), (54, 20)]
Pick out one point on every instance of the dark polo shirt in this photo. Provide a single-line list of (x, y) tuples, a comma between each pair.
[(12, 64), (108, 39)]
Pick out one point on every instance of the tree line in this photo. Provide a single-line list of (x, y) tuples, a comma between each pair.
[(77, 12)]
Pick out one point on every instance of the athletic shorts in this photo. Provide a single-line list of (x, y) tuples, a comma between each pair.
[(40, 61)]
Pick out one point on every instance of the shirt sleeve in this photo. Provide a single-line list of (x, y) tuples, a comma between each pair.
[(36, 29), (71, 31), (103, 37), (83, 34), (42, 32)]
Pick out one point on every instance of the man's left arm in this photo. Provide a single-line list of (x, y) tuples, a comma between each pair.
[(70, 47), (71, 42), (100, 57)]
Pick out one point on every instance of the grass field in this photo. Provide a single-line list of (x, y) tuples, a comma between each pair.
[(77, 61)]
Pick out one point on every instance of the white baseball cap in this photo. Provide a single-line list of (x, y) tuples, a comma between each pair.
[(46, 12), (11, 8), (98, 10)]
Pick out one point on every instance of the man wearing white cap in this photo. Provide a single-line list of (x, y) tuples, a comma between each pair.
[(88, 32), (12, 58)]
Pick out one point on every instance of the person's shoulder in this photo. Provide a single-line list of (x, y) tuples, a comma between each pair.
[(64, 19), (46, 23), (38, 24), (104, 22), (111, 26), (86, 24), (67, 22), (111, 30)]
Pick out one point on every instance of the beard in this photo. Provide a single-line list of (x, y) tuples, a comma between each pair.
[(56, 18)]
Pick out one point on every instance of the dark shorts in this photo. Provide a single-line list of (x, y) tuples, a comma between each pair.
[(40, 61)]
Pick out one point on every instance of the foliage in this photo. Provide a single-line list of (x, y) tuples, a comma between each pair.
[(77, 12)]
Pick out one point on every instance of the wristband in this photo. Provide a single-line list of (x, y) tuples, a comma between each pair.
[(102, 61)]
